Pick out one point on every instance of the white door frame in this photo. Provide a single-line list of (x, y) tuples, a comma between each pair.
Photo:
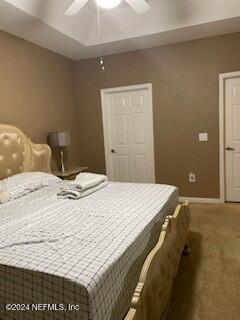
[(107, 146), (222, 78)]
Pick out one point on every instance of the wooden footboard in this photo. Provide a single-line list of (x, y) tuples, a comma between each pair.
[(153, 290)]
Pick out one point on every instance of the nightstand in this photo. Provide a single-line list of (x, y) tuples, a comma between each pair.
[(69, 174)]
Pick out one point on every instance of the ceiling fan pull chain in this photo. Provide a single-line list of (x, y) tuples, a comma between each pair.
[(100, 40)]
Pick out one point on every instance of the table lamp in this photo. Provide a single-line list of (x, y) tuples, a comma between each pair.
[(60, 140)]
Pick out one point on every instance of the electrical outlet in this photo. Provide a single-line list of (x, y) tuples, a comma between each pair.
[(192, 177)]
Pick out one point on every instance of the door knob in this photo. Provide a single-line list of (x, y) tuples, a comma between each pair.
[(229, 149), (113, 151)]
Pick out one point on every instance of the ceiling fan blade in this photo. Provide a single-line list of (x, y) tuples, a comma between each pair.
[(75, 7), (140, 6)]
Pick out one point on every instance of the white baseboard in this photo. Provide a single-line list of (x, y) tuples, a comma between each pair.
[(202, 200)]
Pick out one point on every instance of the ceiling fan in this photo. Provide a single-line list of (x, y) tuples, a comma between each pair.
[(140, 6)]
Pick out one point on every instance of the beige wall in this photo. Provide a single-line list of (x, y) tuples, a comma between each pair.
[(37, 90), (185, 102), (38, 94)]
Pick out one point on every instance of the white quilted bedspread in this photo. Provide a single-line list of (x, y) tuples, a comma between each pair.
[(98, 243)]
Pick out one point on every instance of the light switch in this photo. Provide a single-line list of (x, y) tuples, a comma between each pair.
[(203, 136)]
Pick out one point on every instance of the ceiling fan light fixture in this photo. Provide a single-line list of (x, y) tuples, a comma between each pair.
[(108, 4)]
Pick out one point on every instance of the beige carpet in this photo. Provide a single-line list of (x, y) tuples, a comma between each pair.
[(208, 282)]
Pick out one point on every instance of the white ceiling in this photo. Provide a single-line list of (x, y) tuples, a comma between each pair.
[(43, 22)]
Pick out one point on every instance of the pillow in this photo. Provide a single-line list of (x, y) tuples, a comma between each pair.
[(24, 183)]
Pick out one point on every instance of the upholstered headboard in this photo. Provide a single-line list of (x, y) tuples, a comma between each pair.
[(18, 154)]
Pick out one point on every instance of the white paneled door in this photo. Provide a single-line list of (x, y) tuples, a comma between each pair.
[(232, 139), (128, 133)]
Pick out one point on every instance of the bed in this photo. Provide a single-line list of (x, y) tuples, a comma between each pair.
[(95, 258)]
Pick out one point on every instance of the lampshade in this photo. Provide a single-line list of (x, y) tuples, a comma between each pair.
[(59, 138)]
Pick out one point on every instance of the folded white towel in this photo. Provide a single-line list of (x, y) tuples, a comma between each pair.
[(4, 196), (76, 193), (86, 180)]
